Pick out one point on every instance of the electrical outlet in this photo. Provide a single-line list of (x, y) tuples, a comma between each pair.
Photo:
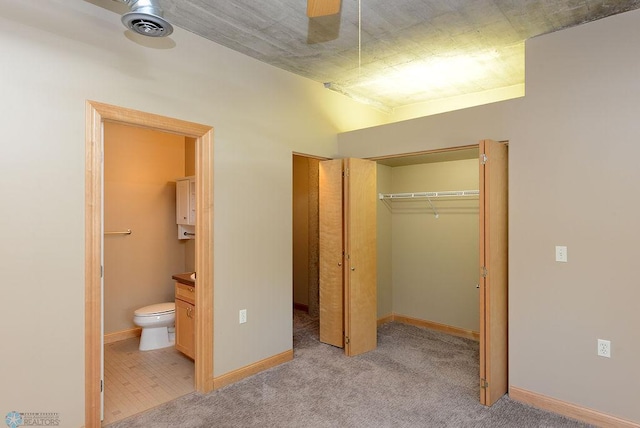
[(243, 316), (604, 348), (561, 253)]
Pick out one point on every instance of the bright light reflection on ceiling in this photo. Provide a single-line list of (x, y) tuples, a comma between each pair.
[(435, 76)]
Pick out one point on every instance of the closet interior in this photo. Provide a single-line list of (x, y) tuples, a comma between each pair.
[(428, 240), (441, 248)]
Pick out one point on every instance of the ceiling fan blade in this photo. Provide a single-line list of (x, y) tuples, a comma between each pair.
[(317, 8)]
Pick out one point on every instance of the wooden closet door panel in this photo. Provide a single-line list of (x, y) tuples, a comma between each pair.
[(494, 258), (331, 253), (360, 265)]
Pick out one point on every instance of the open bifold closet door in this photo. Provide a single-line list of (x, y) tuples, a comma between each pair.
[(348, 305), (493, 270)]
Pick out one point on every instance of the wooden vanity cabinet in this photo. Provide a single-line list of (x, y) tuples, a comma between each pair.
[(185, 319)]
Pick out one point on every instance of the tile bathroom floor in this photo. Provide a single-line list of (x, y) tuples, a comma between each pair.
[(136, 381)]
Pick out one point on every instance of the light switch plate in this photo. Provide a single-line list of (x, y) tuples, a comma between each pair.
[(561, 253)]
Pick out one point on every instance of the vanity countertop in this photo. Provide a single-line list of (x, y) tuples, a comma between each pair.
[(184, 278)]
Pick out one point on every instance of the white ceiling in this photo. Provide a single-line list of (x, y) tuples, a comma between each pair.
[(409, 51)]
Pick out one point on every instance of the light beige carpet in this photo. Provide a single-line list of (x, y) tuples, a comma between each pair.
[(415, 378)]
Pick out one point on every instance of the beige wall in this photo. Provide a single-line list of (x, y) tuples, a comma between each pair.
[(573, 180), (384, 234), (435, 260), (574, 149), (64, 53), (140, 168)]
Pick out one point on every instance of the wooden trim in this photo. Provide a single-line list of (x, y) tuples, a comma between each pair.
[(482, 280), (385, 319), (301, 307), (96, 114), (454, 331), (305, 155), (141, 119), (204, 263), (423, 152), (251, 369), (93, 267), (122, 335), (569, 410)]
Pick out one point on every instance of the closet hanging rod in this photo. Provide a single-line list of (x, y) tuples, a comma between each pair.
[(444, 194), (126, 232)]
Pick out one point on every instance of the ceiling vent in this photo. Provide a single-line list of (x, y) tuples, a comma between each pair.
[(146, 18)]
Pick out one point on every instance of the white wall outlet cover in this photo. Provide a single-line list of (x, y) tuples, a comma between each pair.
[(604, 348), (243, 316), (561, 253)]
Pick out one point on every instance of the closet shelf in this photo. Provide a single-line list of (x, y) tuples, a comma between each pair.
[(428, 196), (444, 194)]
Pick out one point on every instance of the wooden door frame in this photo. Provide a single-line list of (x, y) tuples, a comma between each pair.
[(96, 114)]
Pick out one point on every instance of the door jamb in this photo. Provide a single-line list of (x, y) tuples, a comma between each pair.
[(96, 114)]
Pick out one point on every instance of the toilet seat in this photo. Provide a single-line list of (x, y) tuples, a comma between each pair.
[(155, 310), (155, 321)]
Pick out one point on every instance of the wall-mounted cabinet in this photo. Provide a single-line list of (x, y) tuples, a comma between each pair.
[(186, 207)]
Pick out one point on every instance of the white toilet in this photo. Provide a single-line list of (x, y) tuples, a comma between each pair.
[(157, 322)]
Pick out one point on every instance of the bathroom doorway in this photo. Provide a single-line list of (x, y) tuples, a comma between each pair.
[(141, 253), (97, 115)]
